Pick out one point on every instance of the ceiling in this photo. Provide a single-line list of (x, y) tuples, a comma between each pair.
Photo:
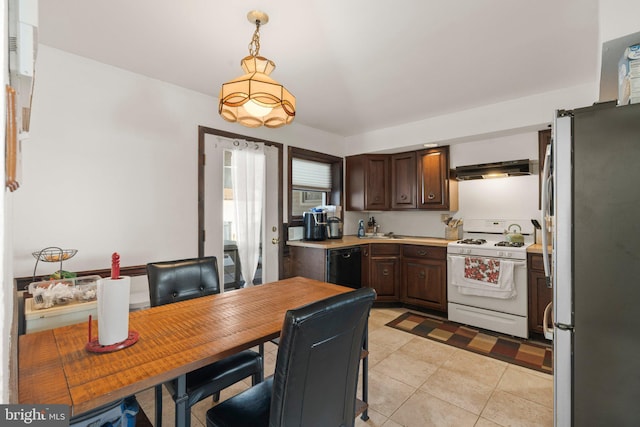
[(354, 66)]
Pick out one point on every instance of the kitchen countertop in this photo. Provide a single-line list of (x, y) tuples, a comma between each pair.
[(405, 240), (536, 249), (354, 241)]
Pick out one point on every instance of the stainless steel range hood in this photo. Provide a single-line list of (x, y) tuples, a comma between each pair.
[(494, 170)]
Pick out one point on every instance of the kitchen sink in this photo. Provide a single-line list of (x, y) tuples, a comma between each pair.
[(385, 236)]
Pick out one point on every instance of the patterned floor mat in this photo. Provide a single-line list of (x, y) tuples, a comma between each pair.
[(533, 355)]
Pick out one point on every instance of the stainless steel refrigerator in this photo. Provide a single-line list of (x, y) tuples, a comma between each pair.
[(591, 200)]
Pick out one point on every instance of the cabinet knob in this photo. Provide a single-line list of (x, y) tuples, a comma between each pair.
[(422, 252), (431, 196), (403, 197), (421, 275), (385, 272)]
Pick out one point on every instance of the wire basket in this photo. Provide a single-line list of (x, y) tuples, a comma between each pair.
[(54, 255)]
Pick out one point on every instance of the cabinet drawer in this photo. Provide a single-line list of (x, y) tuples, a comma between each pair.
[(384, 249), (416, 251)]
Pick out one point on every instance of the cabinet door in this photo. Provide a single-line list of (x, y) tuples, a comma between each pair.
[(367, 182), (433, 182), (424, 282), (376, 191), (539, 294), (384, 277), (403, 181)]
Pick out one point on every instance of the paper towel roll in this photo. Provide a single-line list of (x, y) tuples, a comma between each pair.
[(113, 310)]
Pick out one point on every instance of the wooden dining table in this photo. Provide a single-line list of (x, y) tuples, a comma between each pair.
[(174, 339)]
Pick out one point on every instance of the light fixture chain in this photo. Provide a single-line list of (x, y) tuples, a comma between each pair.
[(254, 46)]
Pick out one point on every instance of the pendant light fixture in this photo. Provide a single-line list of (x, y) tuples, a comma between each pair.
[(255, 99)]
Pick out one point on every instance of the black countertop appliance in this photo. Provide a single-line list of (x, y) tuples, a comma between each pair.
[(315, 225), (334, 228)]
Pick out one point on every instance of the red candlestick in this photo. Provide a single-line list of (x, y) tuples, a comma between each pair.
[(115, 266)]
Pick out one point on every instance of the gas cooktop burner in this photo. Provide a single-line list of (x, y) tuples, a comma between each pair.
[(473, 241), (510, 244)]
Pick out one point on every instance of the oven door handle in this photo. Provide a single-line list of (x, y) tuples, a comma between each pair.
[(515, 264)]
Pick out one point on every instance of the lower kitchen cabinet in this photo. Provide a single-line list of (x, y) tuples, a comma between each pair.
[(424, 276), (308, 262), (415, 275), (384, 271), (539, 294)]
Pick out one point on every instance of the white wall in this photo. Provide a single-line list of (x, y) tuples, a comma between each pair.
[(509, 198), (618, 18), (111, 165), (505, 118)]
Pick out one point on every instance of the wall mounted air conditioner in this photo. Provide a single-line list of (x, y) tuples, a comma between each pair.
[(23, 46)]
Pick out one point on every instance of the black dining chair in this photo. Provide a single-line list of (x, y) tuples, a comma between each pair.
[(174, 281), (316, 374)]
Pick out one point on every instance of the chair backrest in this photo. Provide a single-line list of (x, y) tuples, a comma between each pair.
[(173, 281), (318, 360)]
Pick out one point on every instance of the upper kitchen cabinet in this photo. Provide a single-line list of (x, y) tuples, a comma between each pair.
[(403, 181), (433, 180), (367, 182)]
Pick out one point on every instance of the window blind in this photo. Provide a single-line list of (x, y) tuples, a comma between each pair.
[(310, 175)]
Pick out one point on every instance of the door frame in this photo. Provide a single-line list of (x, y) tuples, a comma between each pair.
[(202, 132)]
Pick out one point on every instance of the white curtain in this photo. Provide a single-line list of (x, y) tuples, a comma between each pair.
[(248, 175)]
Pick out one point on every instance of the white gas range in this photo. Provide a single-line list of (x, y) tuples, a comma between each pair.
[(487, 276)]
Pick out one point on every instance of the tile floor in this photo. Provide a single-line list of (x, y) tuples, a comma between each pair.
[(416, 382)]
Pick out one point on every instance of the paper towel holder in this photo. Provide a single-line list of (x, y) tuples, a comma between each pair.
[(94, 346)]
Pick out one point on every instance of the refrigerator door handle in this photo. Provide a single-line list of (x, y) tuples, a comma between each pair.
[(546, 318), (563, 327), (546, 214)]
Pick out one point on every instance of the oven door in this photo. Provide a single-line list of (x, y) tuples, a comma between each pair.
[(516, 305)]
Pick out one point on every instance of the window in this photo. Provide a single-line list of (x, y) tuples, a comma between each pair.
[(314, 179)]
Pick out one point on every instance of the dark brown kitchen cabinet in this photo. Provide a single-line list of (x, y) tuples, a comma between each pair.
[(433, 178), (367, 182), (544, 139), (308, 262), (384, 271), (412, 180), (424, 276), (539, 294), (403, 181)]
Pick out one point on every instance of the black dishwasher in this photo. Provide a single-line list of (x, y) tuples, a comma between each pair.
[(344, 266)]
